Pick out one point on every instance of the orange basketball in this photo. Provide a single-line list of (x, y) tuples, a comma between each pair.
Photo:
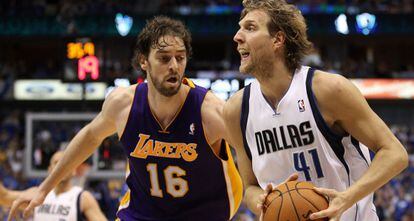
[(293, 201)]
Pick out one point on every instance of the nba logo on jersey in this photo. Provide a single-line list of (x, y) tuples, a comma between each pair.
[(301, 105), (192, 129)]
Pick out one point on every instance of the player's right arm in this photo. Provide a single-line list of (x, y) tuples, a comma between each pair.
[(8, 196), (231, 115), (80, 148), (254, 195)]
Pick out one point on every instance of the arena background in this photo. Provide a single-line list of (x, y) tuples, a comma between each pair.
[(58, 60)]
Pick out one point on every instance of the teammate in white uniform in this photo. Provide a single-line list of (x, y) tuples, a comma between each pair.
[(295, 120), (65, 203), (64, 206)]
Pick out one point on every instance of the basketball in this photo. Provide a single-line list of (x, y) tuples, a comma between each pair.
[(293, 201)]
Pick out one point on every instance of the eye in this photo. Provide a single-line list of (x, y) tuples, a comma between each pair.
[(250, 28), (165, 59), (180, 58)]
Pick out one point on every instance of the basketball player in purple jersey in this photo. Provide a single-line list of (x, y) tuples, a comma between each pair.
[(180, 168), (296, 120)]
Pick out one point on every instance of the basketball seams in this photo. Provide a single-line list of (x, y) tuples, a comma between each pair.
[(268, 203), (281, 206), (294, 190), (297, 190), (300, 202), (280, 194), (293, 203)]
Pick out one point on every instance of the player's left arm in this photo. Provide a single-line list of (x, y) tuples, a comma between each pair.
[(90, 208), (213, 123), (344, 106)]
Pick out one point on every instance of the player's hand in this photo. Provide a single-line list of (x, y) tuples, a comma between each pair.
[(337, 205), (269, 188), (33, 197), (3, 190)]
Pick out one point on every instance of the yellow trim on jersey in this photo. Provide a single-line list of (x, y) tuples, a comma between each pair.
[(124, 203), (165, 130), (188, 82), (127, 170), (233, 182)]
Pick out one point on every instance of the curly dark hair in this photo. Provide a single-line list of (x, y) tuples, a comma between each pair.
[(156, 28), (288, 19)]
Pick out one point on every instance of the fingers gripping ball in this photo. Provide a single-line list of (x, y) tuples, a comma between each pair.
[(293, 201)]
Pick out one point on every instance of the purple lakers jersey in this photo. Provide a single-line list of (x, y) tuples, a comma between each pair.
[(173, 172)]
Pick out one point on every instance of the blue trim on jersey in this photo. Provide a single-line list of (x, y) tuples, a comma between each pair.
[(356, 211), (355, 142), (79, 213), (334, 140), (243, 118)]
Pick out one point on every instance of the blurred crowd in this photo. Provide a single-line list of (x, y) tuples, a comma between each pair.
[(394, 201), (352, 67), (72, 8), (53, 69)]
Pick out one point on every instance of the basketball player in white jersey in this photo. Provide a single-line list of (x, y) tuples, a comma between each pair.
[(296, 120), (65, 203)]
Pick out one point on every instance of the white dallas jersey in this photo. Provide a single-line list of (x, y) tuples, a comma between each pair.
[(62, 207), (293, 137)]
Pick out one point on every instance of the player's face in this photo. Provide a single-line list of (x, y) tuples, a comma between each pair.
[(166, 64), (254, 42)]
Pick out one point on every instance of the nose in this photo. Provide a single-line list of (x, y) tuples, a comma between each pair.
[(173, 64), (238, 37)]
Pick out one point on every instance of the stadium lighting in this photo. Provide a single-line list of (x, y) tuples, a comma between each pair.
[(341, 24), (123, 24), (365, 23)]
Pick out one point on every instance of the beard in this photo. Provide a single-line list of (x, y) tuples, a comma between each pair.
[(257, 66), (167, 91)]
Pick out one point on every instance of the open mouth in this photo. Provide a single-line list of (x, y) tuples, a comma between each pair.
[(244, 55), (172, 79)]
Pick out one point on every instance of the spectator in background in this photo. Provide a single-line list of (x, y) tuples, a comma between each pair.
[(402, 205), (72, 200)]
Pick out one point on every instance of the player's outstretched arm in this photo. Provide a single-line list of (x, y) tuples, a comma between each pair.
[(8, 196), (78, 150), (89, 206), (213, 123), (345, 107), (231, 115)]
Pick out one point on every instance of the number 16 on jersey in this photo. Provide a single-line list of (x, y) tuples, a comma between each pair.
[(176, 186)]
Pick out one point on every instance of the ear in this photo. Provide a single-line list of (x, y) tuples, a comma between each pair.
[(278, 40), (143, 62)]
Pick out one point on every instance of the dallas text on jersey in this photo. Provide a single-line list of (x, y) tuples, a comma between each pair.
[(268, 141)]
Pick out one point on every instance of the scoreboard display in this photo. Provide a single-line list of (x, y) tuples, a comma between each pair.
[(81, 61)]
